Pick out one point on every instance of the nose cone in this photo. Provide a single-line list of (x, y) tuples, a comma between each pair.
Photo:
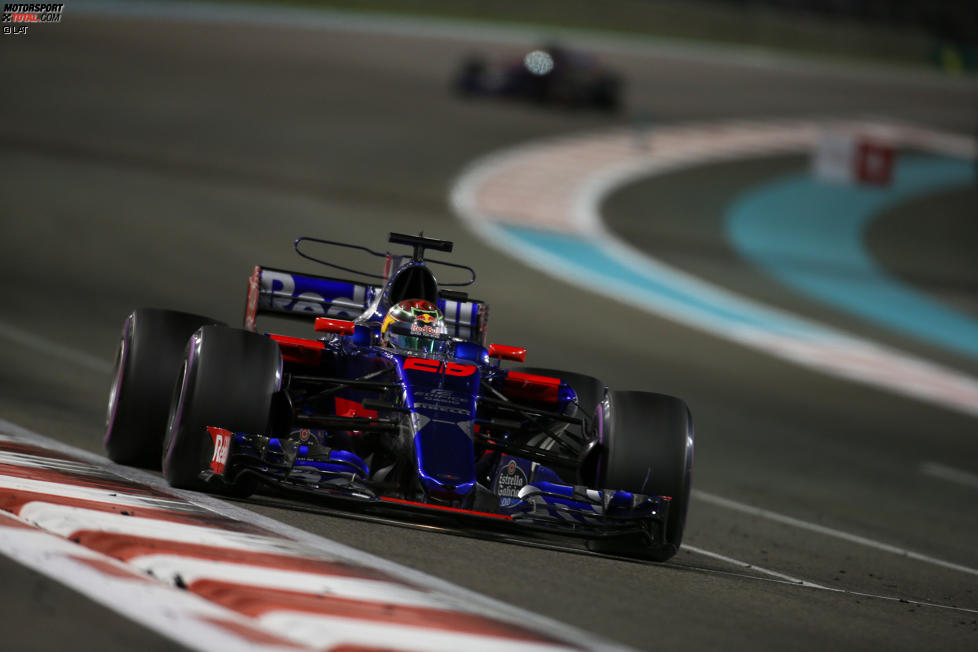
[(442, 393), (446, 460)]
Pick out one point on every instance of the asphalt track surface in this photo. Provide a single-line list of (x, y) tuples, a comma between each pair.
[(154, 163)]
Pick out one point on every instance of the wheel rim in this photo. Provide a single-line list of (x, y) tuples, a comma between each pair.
[(176, 406), (121, 354)]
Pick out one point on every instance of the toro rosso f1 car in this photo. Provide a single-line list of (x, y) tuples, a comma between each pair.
[(395, 400)]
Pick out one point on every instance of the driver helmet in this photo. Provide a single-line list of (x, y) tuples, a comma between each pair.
[(415, 325)]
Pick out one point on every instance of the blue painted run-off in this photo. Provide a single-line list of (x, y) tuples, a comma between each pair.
[(646, 283), (809, 236)]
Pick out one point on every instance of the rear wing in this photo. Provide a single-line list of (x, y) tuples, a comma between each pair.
[(305, 297)]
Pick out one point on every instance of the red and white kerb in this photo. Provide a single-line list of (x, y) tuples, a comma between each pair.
[(213, 582)]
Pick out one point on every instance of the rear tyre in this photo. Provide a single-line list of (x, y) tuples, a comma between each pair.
[(647, 448), (227, 380), (147, 361)]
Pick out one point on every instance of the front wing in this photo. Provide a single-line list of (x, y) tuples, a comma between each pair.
[(336, 478)]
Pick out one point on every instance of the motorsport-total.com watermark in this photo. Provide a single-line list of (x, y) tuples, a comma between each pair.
[(19, 16)]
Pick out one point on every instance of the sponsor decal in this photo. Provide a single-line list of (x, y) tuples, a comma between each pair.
[(423, 329), (222, 446), (509, 480), (439, 395), (283, 292), (440, 408), (17, 17), (426, 323)]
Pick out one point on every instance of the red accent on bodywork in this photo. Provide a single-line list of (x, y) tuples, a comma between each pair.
[(435, 366), (503, 352), (422, 364), (300, 350), (251, 304), (327, 325), (221, 439), (348, 408), (456, 369), (444, 508), (530, 386)]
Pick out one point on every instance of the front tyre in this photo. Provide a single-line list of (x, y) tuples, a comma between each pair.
[(647, 447), (227, 380), (146, 365)]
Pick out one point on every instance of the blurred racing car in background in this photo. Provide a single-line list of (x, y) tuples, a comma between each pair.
[(395, 401), (551, 74)]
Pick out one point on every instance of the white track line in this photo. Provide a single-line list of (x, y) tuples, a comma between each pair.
[(949, 474), (755, 567), (720, 501), (787, 579)]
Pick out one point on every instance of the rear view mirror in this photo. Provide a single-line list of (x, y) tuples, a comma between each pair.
[(503, 352), (338, 326)]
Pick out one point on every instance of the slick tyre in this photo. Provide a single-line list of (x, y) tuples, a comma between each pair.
[(647, 447), (227, 380), (147, 361)]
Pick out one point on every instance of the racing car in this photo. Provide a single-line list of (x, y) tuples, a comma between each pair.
[(551, 74), (395, 400)]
